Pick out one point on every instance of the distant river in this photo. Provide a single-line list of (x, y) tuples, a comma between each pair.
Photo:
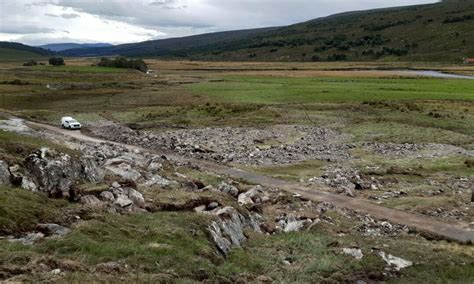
[(437, 74)]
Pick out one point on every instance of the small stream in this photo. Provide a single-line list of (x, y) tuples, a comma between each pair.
[(435, 74)]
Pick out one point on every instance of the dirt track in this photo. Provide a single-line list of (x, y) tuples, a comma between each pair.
[(423, 224)]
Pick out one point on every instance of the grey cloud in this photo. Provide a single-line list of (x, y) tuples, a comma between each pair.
[(13, 29), (168, 4), (70, 16), (65, 16)]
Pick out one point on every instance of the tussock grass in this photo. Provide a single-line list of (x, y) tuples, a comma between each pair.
[(21, 210)]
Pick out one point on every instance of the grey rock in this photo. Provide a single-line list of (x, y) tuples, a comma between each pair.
[(296, 226), (90, 200), (355, 252), (254, 195), (92, 171), (157, 180), (200, 209), (123, 202), (125, 171), (107, 196), (212, 206), (394, 262), (228, 189), (136, 197), (108, 267), (116, 185), (28, 184), (228, 231), (53, 229), (29, 239), (125, 197), (56, 271), (4, 173)]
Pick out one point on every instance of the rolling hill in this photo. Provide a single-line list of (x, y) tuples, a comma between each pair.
[(65, 46), (18, 51), (433, 32)]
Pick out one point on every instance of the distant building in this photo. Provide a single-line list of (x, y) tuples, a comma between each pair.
[(468, 60)]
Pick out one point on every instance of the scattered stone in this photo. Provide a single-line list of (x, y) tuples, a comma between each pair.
[(157, 180), (264, 279), (355, 252), (127, 196), (200, 209), (107, 196), (108, 267), (395, 262), (123, 202), (252, 196), (228, 189), (56, 271), (291, 224), (53, 229), (125, 171), (212, 206), (29, 239), (90, 200)]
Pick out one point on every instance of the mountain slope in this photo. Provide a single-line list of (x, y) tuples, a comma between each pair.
[(65, 46), (180, 47), (433, 32)]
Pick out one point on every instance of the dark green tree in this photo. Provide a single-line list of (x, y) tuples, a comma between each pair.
[(56, 61)]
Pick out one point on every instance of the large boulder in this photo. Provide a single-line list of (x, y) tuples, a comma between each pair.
[(4, 174)]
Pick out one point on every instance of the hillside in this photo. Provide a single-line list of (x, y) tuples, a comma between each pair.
[(18, 51), (433, 32), (65, 46), (177, 47)]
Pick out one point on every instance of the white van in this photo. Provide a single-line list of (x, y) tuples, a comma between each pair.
[(70, 123)]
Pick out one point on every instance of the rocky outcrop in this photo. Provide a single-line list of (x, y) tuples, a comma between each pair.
[(228, 231), (53, 172)]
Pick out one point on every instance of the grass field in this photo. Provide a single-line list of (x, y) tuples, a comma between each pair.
[(284, 90), (84, 69)]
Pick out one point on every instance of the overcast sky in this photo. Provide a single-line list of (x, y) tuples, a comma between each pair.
[(37, 22)]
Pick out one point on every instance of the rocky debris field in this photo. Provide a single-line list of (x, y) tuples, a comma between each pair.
[(126, 172), (426, 150), (113, 179), (271, 146)]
